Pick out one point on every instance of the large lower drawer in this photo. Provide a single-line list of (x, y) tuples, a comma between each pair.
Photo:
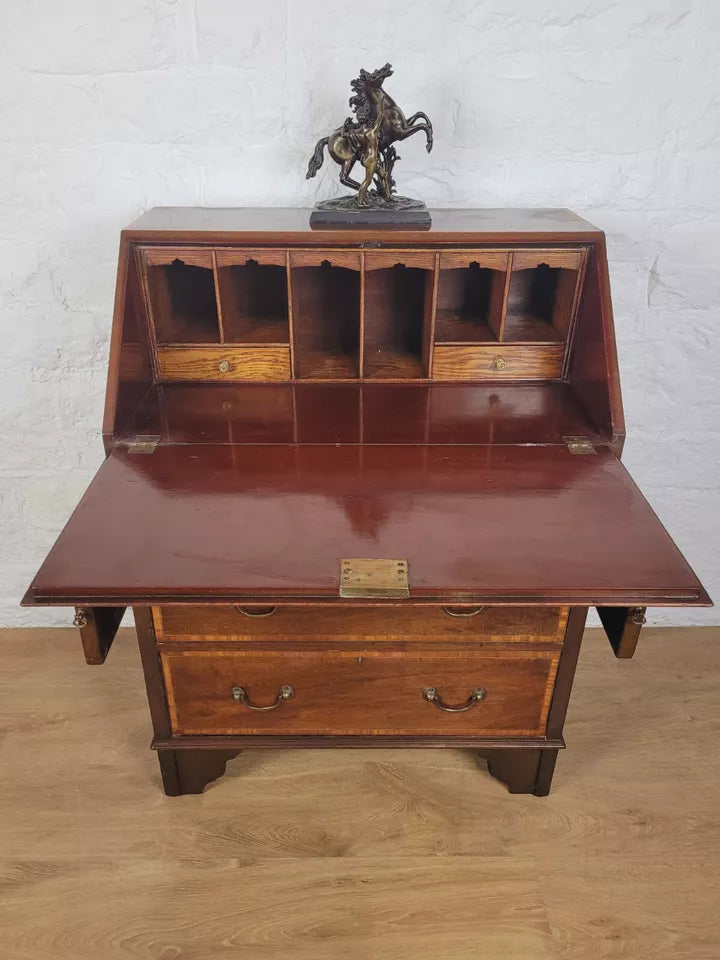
[(406, 622), (360, 692)]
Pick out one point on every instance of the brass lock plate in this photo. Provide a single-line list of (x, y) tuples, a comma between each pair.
[(142, 444), (580, 445), (374, 578)]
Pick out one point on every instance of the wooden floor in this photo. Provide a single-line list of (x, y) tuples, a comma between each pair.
[(365, 855)]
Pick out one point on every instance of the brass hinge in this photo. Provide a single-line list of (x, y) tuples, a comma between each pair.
[(579, 445), (374, 578), (141, 444)]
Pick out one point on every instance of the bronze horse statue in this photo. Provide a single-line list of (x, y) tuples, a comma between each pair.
[(380, 123)]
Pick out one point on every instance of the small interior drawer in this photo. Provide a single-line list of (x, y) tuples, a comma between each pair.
[(360, 692), (226, 364), (393, 623), (499, 361)]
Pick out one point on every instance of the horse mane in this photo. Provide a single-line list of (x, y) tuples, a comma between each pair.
[(362, 102)]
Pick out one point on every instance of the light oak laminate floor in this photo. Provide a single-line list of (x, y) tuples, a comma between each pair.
[(379, 855)]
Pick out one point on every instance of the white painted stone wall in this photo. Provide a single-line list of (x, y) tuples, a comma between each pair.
[(609, 107)]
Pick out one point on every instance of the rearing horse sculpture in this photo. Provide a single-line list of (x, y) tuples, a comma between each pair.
[(379, 124)]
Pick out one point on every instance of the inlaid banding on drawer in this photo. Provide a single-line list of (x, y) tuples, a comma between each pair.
[(412, 622), (365, 692), (225, 364)]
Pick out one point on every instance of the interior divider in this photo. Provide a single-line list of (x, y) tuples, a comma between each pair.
[(288, 280), (218, 298), (506, 294), (429, 332), (361, 356)]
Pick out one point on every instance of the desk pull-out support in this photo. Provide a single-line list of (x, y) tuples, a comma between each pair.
[(622, 626), (98, 626)]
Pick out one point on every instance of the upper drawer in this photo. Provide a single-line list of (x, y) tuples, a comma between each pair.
[(407, 622)]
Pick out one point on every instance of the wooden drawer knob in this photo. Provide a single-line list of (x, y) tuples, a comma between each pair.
[(432, 696), (224, 366), (500, 364)]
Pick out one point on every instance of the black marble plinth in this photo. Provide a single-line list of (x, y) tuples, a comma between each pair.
[(378, 213)]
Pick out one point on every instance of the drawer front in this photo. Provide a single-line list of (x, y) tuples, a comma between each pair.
[(225, 364), (499, 361), (410, 622), (361, 692)]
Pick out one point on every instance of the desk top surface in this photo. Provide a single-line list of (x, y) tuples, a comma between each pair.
[(490, 523), (292, 223)]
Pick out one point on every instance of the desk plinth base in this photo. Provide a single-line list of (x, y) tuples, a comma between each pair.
[(187, 769), (526, 770)]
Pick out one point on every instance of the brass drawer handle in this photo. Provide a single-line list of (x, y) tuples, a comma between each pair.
[(286, 692), (462, 613), (260, 612), (432, 696)]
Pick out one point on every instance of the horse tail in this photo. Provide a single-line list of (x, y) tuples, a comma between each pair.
[(317, 158)]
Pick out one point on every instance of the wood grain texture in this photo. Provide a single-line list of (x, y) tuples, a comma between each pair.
[(622, 626), (394, 855), (130, 364), (553, 257), (326, 316), (436, 413), (191, 256), (186, 524), (263, 363), (277, 225), (348, 259), (543, 362), (411, 623), (239, 256), (359, 691), (422, 259), (491, 259), (184, 774), (592, 366), (396, 310), (253, 302), (98, 629)]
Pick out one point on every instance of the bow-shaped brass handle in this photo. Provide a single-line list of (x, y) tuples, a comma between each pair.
[(432, 696), (286, 692), (259, 612), (462, 612)]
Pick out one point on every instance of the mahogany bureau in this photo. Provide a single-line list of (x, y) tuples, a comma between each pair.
[(361, 487)]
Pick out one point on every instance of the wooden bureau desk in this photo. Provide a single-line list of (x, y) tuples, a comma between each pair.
[(361, 487)]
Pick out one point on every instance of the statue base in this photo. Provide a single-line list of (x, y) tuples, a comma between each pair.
[(398, 212)]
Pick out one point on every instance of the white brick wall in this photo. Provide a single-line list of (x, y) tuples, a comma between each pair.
[(610, 108)]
